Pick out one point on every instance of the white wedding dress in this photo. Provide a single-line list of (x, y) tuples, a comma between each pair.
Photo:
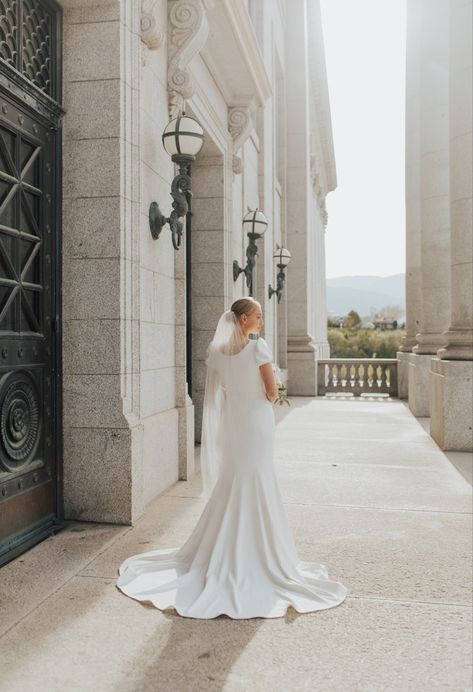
[(240, 559)]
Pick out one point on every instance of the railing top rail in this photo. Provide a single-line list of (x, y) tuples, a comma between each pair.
[(328, 361)]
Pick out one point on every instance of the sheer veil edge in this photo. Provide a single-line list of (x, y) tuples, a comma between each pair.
[(228, 340)]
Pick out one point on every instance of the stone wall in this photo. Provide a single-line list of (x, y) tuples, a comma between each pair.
[(102, 480), (129, 421)]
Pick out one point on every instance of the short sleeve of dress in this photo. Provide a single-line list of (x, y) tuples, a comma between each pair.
[(263, 352)]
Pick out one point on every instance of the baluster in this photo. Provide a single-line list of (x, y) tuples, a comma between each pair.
[(370, 376), (379, 377), (350, 374), (361, 376), (343, 375), (387, 377), (333, 376)]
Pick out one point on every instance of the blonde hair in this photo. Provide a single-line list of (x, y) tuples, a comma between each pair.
[(244, 306)]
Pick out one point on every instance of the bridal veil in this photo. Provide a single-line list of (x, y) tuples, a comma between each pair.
[(228, 340)]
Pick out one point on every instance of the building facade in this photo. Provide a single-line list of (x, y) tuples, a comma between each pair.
[(436, 358), (104, 329)]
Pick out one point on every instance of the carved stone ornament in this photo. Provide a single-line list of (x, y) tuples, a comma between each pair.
[(151, 36), (240, 125), (237, 164), (187, 34)]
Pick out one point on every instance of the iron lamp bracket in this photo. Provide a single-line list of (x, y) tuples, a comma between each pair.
[(247, 270), (279, 284), (180, 191)]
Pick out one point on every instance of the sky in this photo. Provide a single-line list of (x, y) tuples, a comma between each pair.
[(365, 56)]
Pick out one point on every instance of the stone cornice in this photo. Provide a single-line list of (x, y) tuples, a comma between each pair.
[(187, 33), (232, 54)]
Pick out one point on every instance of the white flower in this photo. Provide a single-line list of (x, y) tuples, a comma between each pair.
[(277, 374)]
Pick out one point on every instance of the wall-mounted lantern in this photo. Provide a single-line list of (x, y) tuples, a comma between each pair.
[(255, 224), (182, 138), (282, 257)]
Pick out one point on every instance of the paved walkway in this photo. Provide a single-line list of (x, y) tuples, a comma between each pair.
[(367, 492)]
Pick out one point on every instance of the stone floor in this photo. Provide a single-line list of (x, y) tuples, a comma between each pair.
[(367, 492)]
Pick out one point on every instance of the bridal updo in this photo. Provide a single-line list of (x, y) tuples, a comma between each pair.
[(244, 306)]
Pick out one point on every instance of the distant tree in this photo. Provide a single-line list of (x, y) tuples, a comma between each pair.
[(352, 320), (390, 312), (364, 343), (331, 321)]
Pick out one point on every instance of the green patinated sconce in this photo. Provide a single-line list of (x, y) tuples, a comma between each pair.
[(282, 257), (255, 224), (182, 138)]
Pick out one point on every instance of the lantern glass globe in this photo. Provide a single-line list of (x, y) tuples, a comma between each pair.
[(183, 136), (282, 256), (255, 222)]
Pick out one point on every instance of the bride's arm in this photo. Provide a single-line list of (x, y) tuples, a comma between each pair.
[(269, 381)]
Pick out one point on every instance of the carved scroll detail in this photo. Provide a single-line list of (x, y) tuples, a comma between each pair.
[(152, 36), (187, 34), (240, 125)]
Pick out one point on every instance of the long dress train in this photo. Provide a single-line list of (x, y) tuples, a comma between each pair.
[(241, 559)]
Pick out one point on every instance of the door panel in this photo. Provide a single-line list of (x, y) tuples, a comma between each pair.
[(28, 351)]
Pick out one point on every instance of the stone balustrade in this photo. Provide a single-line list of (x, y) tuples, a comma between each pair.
[(358, 376)]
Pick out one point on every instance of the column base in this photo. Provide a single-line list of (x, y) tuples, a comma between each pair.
[(322, 349), (419, 384), (302, 367), (428, 343), (403, 373), (459, 345), (451, 419)]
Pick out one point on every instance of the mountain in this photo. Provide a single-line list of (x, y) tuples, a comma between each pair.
[(363, 293)]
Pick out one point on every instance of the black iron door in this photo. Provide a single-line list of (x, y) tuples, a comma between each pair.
[(29, 278)]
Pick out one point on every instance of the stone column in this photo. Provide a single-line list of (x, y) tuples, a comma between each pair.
[(208, 261), (319, 303), (412, 170), (452, 371), (103, 434), (300, 350), (434, 204), (184, 404)]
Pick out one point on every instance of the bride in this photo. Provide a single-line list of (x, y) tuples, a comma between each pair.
[(240, 559)]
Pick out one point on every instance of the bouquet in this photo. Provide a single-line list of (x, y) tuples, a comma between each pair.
[(282, 391)]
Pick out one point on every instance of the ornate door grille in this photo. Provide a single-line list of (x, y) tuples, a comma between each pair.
[(29, 281), (28, 41)]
